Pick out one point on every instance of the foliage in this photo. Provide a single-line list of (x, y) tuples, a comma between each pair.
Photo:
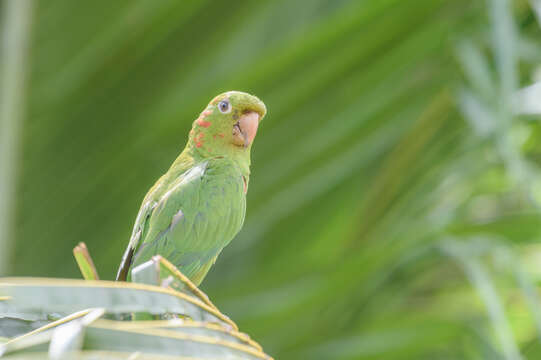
[(64, 319), (393, 209)]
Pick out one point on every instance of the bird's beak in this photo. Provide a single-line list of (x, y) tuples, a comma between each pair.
[(245, 129)]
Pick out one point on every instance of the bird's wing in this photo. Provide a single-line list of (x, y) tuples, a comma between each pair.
[(200, 214), (135, 239), (183, 165)]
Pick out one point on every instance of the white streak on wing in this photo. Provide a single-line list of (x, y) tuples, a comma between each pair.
[(134, 240), (192, 174), (176, 218)]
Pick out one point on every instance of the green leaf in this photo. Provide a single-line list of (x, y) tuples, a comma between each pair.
[(45, 333), (101, 355), (10, 327), (85, 263), (175, 337), (187, 327), (165, 342), (41, 295), (160, 272)]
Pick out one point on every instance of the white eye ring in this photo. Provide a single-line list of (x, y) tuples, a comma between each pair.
[(224, 106)]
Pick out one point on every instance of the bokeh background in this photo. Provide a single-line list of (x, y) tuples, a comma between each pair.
[(394, 203)]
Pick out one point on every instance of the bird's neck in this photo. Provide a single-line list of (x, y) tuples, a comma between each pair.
[(193, 154)]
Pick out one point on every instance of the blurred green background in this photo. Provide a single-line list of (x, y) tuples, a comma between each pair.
[(394, 203)]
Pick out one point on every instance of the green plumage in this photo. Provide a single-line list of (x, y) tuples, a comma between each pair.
[(197, 207)]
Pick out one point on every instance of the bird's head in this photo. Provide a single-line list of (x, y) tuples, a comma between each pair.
[(228, 124)]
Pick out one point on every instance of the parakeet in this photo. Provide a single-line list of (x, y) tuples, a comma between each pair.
[(198, 206)]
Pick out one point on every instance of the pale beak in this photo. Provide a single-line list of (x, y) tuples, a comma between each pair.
[(245, 129)]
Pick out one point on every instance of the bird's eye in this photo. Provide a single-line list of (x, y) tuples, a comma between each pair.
[(224, 106)]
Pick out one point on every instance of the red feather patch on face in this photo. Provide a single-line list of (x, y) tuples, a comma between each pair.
[(201, 120), (199, 140), (203, 123)]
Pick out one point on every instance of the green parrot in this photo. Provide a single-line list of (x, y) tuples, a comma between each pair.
[(197, 207)]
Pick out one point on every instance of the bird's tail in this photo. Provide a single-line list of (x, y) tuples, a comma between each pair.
[(125, 264)]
